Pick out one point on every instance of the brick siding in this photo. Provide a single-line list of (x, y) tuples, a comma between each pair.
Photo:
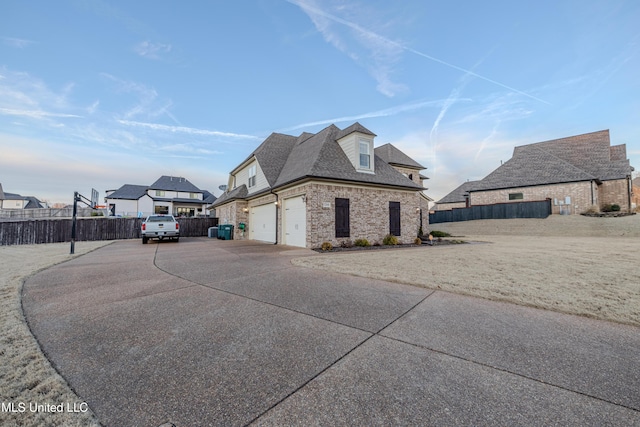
[(609, 192)]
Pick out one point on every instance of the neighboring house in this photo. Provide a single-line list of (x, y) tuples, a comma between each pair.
[(635, 197), (458, 198), (332, 186), (16, 201), (168, 195), (577, 173)]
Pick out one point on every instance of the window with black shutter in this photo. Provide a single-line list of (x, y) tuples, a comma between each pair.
[(342, 218), (394, 218)]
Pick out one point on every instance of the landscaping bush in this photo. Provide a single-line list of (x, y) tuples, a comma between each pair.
[(606, 208), (346, 244), (390, 239), (362, 242), (417, 241), (592, 210), (326, 246), (436, 233), (615, 208)]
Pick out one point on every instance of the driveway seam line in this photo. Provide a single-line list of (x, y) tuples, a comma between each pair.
[(497, 368), (338, 360)]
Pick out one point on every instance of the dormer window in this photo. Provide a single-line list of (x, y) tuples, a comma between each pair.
[(365, 154)]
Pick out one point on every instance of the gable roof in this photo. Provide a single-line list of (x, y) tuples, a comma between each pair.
[(31, 202), (272, 155), (174, 183), (129, 192), (240, 192), (457, 195), (393, 156), (285, 159), (577, 158), (356, 127), (320, 156)]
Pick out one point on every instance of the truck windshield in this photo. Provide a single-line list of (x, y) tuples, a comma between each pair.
[(158, 218)]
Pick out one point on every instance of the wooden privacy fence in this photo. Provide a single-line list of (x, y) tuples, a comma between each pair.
[(538, 209), (99, 228)]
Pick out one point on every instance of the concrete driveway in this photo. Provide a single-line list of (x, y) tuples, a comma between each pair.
[(208, 332)]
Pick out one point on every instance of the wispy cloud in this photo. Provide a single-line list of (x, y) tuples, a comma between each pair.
[(187, 130), (379, 56), (34, 114), (379, 113), (16, 43), (151, 50), (147, 105), (392, 45)]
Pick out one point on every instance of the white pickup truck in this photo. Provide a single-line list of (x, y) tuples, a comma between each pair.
[(160, 227)]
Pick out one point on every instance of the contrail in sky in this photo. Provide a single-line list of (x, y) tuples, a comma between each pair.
[(371, 34), (380, 113)]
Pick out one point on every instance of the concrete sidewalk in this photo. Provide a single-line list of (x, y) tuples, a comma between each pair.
[(209, 332)]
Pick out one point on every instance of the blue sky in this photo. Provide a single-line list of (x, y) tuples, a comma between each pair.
[(97, 94)]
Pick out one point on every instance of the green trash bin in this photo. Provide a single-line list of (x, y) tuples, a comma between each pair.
[(225, 231)]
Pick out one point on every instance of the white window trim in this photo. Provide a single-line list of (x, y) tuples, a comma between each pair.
[(365, 143), (253, 171)]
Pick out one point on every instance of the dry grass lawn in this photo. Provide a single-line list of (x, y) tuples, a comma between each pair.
[(598, 277), (27, 375)]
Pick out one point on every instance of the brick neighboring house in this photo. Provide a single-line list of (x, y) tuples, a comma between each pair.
[(168, 195), (576, 173), (458, 198), (635, 197), (16, 201), (332, 186)]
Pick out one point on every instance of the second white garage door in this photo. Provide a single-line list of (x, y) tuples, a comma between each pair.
[(262, 223), (295, 222)]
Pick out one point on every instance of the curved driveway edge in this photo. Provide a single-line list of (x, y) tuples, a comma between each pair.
[(209, 332)]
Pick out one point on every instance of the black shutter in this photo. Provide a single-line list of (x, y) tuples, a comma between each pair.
[(394, 218), (342, 217)]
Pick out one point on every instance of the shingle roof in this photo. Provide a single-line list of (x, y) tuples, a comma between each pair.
[(457, 195), (285, 159), (272, 155), (320, 156), (356, 127), (208, 197), (174, 183), (392, 155), (577, 158), (240, 192), (129, 192)]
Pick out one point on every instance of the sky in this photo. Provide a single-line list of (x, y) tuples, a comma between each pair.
[(98, 94)]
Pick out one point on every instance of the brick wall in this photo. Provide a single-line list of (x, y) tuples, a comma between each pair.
[(368, 213), (368, 209), (579, 192), (415, 174), (449, 206), (615, 192)]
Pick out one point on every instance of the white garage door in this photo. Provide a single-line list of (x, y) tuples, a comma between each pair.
[(295, 222), (262, 223)]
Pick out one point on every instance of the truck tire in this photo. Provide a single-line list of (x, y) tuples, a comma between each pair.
[(145, 239)]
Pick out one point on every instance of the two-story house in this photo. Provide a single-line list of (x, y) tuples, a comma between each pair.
[(332, 186), (16, 201), (168, 195)]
